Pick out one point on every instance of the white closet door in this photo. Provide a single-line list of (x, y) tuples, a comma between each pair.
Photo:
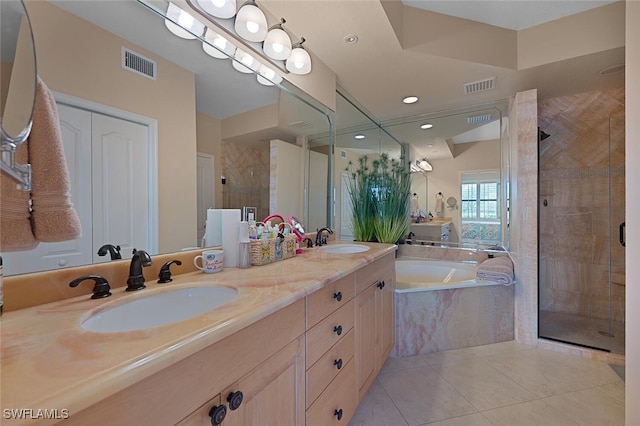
[(121, 184), (206, 191), (75, 126)]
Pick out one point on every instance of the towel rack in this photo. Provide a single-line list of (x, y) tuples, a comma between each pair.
[(21, 173)]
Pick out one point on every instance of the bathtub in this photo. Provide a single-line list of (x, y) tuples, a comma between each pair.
[(440, 306)]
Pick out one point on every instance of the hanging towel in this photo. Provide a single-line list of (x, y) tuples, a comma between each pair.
[(53, 216), (499, 269), (15, 225), (439, 203)]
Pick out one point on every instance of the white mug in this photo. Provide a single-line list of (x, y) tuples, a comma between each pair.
[(212, 261)]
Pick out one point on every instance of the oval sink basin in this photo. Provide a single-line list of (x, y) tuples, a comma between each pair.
[(344, 248), (159, 309)]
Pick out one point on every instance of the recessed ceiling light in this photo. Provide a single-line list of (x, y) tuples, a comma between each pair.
[(359, 136), (430, 145), (351, 39), (410, 100), (426, 126)]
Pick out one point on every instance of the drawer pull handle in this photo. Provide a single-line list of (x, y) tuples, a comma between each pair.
[(217, 414), (381, 284), (338, 414), (235, 399), (337, 329), (338, 296), (338, 363)]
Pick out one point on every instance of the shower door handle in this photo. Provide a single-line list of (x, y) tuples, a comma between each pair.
[(622, 227)]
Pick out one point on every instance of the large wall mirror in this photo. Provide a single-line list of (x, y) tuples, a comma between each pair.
[(460, 165), (213, 136)]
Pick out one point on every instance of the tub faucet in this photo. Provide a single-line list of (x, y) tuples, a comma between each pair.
[(139, 259), (320, 240)]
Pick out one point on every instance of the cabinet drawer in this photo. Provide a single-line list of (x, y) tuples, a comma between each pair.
[(375, 271), (327, 332), (339, 399), (320, 374), (328, 299)]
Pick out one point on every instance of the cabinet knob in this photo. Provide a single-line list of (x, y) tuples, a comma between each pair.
[(381, 284), (217, 414), (338, 363), (338, 296), (337, 329), (338, 414), (235, 399)]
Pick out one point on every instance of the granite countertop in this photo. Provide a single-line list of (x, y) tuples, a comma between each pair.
[(49, 362)]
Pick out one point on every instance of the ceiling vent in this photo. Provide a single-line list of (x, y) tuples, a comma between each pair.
[(480, 85), (485, 118), (138, 64)]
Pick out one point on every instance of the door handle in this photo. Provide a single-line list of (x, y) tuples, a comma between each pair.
[(622, 228)]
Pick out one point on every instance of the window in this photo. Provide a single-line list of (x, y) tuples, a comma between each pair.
[(480, 197)]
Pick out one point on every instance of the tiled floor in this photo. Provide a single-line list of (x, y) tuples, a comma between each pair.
[(501, 384)]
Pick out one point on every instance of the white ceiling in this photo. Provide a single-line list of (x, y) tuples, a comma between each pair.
[(513, 14)]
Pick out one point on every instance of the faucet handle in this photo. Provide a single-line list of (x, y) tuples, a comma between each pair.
[(165, 272), (100, 289)]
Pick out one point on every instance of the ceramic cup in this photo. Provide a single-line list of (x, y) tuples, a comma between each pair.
[(211, 260)]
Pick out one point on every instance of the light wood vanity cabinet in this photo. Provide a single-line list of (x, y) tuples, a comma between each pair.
[(374, 319), (330, 374)]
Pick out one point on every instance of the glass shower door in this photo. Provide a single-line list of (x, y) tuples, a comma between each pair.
[(581, 206)]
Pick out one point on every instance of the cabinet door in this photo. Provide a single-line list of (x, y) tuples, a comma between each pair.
[(273, 393), (386, 315), (201, 417), (366, 339)]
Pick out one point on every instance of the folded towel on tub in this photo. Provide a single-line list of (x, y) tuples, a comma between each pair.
[(498, 269)]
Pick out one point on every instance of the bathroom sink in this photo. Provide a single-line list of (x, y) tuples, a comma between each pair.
[(159, 309), (344, 248)]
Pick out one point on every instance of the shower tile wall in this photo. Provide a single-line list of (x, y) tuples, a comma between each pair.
[(246, 170), (574, 225)]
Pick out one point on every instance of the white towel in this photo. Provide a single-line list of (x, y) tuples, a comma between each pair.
[(498, 269), (439, 203)]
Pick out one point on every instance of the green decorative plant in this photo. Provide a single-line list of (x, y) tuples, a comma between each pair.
[(380, 197)]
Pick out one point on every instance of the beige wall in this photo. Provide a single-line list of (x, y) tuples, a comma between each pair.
[(209, 141), (79, 59), (445, 176), (632, 138), (286, 179)]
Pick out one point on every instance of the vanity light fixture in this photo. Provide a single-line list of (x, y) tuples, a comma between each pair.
[(299, 62), (221, 49), (424, 165), (426, 126), (410, 99), (268, 77), (359, 136), (277, 44), (251, 24), (182, 24), (245, 62), (224, 9)]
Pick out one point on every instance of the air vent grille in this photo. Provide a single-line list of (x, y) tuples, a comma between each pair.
[(480, 85), (138, 64), (479, 119), (343, 153)]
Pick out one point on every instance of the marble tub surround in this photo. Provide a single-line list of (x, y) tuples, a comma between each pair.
[(440, 320), (56, 364), (442, 253)]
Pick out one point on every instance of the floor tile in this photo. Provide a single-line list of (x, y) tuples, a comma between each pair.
[(589, 407), (481, 384), (547, 373), (452, 355), (400, 363), (470, 420), (377, 409), (498, 348), (614, 390), (422, 396), (533, 413)]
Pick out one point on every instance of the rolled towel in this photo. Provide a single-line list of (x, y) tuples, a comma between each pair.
[(498, 269), (53, 216), (15, 224)]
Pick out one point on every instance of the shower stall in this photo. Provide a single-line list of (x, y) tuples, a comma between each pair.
[(581, 220)]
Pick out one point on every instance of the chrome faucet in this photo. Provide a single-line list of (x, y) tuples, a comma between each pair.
[(320, 240), (139, 259)]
